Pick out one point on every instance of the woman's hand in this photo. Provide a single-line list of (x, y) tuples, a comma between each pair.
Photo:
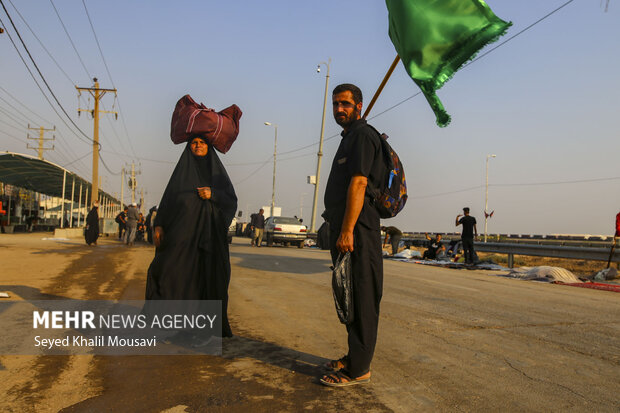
[(158, 236), (204, 192)]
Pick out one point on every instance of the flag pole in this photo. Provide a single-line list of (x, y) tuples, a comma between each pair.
[(381, 86)]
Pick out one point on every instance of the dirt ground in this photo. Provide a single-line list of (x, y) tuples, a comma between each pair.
[(449, 340), (253, 374)]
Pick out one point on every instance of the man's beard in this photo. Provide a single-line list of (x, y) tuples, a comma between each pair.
[(346, 121)]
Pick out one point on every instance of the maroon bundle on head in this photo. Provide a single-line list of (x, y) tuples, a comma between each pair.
[(190, 119)]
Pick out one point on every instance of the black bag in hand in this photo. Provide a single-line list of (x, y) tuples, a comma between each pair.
[(342, 287)]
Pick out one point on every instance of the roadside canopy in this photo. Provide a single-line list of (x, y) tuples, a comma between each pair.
[(42, 176)]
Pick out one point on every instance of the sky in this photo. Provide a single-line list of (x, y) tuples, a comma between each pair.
[(545, 103)]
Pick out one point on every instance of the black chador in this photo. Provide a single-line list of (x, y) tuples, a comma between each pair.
[(92, 225), (192, 262)]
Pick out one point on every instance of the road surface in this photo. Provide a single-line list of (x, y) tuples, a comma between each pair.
[(449, 340)]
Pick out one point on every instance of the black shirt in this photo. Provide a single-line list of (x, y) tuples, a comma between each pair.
[(434, 245), (359, 153), (258, 221), (468, 223)]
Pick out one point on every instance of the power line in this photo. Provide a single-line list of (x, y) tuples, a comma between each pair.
[(254, 172), (469, 63), (62, 142), (41, 43), (10, 116), (39, 71), (105, 63), (14, 108), (13, 137), (24, 106), (519, 33), (577, 181), (71, 40), (62, 139), (8, 124)]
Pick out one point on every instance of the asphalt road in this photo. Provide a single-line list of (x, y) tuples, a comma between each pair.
[(449, 340)]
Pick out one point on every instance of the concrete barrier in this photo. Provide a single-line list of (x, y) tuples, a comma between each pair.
[(68, 232)]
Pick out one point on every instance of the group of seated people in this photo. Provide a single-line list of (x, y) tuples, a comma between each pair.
[(436, 249)]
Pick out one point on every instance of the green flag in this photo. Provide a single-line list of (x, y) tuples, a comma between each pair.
[(434, 38)]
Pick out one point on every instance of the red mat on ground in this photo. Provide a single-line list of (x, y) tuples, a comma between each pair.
[(597, 286)]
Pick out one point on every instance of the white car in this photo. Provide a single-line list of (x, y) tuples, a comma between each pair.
[(232, 230), (285, 230)]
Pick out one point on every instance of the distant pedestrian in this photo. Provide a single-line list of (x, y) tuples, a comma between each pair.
[(132, 224), (617, 225), (258, 227), (467, 235), (91, 232), (141, 227), (121, 220), (395, 236), (249, 231), (149, 224)]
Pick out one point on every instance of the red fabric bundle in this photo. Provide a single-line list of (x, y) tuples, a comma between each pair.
[(190, 119)]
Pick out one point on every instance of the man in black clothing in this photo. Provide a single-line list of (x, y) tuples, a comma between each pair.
[(121, 220), (467, 236), (434, 247), (258, 227), (395, 236), (354, 227)]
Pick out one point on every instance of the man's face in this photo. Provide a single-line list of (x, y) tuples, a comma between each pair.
[(346, 111), (438, 237), (261, 212)]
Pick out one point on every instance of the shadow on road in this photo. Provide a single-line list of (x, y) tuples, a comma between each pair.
[(273, 354), (279, 263), (28, 293)]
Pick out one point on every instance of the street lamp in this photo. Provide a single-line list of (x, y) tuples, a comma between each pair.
[(486, 198), (275, 144), (320, 153)]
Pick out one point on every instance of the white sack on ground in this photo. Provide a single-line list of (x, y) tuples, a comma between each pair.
[(544, 272), (409, 254)]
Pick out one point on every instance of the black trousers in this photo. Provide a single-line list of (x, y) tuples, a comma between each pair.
[(367, 266), (395, 240), (468, 250)]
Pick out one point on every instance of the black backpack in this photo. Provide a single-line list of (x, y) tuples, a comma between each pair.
[(391, 200)]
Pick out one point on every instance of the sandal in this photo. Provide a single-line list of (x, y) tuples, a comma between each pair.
[(340, 379), (339, 364)]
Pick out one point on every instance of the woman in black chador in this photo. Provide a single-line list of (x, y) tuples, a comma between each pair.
[(190, 230), (92, 225)]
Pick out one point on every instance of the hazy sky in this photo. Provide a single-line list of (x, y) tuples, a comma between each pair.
[(546, 103)]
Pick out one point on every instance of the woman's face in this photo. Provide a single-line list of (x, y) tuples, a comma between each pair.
[(199, 147)]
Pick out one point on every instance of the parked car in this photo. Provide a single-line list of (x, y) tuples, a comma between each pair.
[(232, 230), (285, 230)]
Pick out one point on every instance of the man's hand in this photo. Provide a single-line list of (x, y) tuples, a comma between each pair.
[(345, 242), (355, 202), (158, 236), (204, 192)]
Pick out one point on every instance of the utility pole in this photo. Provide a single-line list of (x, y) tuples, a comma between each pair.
[(97, 94), (41, 139), (133, 183), (486, 198), (122, 187), (320, 153)]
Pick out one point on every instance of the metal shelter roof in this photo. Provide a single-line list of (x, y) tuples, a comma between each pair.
[(41, 176)]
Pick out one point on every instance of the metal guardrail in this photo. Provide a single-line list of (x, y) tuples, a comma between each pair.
[(553, 251)]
